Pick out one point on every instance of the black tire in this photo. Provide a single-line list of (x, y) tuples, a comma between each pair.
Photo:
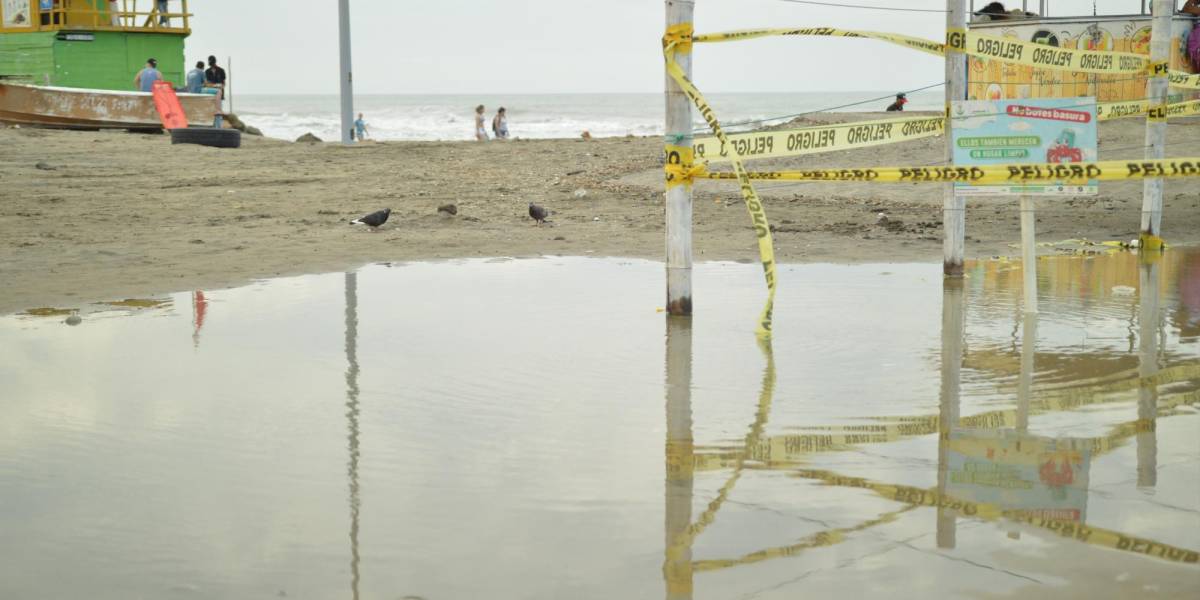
[(207, 136)]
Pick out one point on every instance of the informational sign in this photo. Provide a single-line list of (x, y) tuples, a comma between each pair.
[(1005, 132), (1033, 475), (16, 13)]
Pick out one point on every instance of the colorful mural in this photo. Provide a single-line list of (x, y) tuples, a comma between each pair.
[(994, 80)]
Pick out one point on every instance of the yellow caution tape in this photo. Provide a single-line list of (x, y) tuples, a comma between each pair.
[(678, 166), (824, 138), (989, 512), (1043, 56), (678, 36), (1183, 80), (1160, 68), (923, 45), (1112, 170), (1151, 242), (758, 216), (863, 134)]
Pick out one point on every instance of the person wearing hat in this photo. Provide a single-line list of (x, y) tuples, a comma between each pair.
[(146, 77), (898, 105)]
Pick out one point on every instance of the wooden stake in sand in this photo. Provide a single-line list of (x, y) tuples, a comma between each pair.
[(1156, 120), (679, 197), (954, 208), (347, 77)]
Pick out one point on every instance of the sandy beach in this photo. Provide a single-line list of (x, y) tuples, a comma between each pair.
[(89, 216)]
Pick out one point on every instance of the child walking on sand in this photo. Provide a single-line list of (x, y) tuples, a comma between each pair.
[(360, 128), (500, 124)]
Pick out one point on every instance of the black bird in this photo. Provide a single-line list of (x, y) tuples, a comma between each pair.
[(538, 213), (373, 220)]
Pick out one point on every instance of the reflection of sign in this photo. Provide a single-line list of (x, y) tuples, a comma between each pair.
[(17, 13), (1048, 130), (1038, 476)]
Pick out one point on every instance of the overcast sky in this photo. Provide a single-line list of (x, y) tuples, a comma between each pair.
[(564, 46)]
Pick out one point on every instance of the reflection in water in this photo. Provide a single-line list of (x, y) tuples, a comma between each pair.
[(953, 331), (677, 566), (199, 311), (351, 288), (1149, 320)]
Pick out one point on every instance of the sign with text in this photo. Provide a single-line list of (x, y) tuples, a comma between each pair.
[(16, 13), (1041, 130)]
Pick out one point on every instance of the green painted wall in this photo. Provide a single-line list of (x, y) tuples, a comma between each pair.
[(108, 62), (27, 57)]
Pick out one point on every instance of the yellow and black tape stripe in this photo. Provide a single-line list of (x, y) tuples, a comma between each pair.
[(1183, 80), (815, 140), (754, 206), (1113, 170), (679, 167), (919, 44)]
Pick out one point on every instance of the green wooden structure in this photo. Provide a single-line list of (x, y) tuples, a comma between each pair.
[(95, 44)]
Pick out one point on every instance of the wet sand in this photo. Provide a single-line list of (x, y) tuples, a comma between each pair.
[(115, 215)]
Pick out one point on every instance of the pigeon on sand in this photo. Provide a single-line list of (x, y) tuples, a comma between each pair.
[(373, 220), (538, 213)]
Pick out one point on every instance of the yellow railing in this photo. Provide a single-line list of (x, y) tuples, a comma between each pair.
[(109, 15)]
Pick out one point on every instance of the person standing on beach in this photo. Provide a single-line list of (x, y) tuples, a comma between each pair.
[(500, 124), (146, 77), (480, 132), (163, 19), (898, 105), (214, 76), (195, 79), (360, 128)]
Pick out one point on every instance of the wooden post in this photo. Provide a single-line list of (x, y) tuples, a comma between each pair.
[(677, 562), (679, 197), (1029, 254), (953, 331), (1156, 122), (347, 76), (954, 208), (1147, 411)]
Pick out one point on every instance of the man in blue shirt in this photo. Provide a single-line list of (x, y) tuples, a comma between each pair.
[(146, 77), (195, 79), (360, 128)]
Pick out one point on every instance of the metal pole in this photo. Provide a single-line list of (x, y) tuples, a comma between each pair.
[(677, 564), (679, 197), (954, 208), (1156, 122), (952, 349), (1029, 254), (229, 81), (347, 74)]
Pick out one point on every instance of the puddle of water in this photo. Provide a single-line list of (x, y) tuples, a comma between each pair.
[(532, 429)]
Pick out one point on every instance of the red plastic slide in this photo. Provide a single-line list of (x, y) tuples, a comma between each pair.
[(169, 108)]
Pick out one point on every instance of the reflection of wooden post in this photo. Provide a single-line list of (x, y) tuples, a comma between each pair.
[(1148, 325), (1156, 121), (1025, 386), (954, 208), (679, 197), (952, 348), (351, 288), (677, 564), (1029, 253)]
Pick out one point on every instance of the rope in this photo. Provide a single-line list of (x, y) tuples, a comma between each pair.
[(925, 10)]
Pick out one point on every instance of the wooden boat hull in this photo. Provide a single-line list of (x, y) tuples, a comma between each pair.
[(73, 108)]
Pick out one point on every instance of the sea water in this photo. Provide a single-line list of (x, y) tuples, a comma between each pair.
[(451, 117)]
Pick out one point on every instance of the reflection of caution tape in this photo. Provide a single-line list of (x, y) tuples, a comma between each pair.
[(825, 138), (1009, 50), (684, 539), (820, 539), (1111, 170), (1080, 532), (758, 216)]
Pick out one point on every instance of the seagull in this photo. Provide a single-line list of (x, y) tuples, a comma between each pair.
[(373, 220), (538, 213)]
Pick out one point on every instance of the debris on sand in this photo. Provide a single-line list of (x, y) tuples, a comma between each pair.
[(449, 209), (308, 137)]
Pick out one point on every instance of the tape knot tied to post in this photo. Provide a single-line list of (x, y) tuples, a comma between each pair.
[(679, 35), (679, 174)]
